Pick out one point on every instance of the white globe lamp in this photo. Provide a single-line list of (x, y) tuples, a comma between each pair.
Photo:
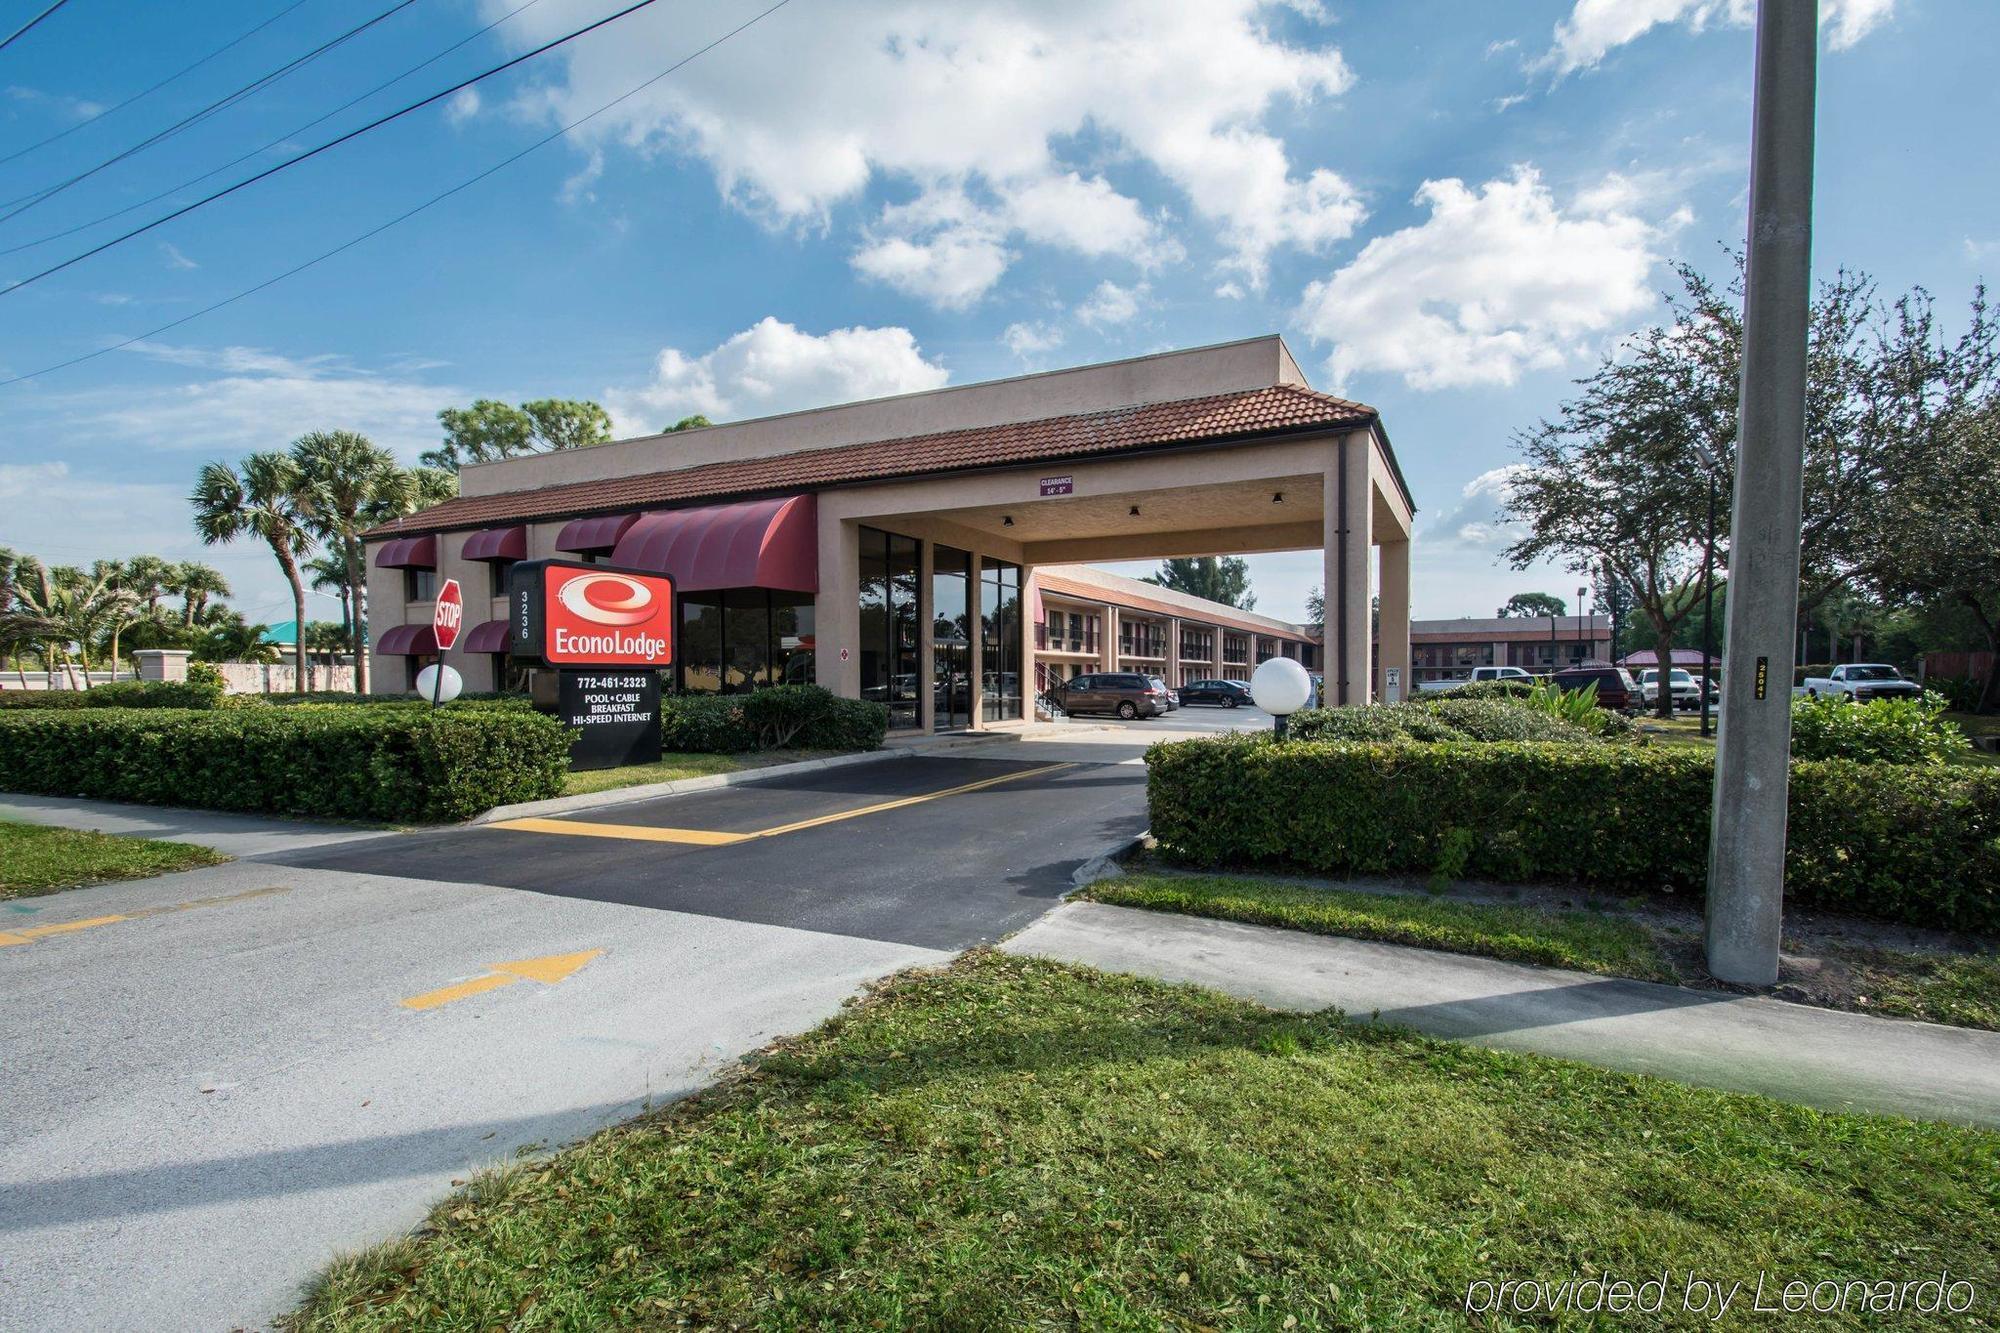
[(1280, 686), (442, 691)]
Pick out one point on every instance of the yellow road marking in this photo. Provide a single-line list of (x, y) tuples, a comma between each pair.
[(549, 970), (29, 934), (709, 838), (698, 837), (476, 986)]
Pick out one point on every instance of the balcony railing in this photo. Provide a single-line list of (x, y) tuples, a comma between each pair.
[(1060, 642)]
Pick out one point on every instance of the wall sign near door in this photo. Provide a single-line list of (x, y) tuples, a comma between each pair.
[(614, 717), (1058, 486)]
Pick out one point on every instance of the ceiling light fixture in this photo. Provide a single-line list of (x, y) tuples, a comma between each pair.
[(1134, 511), (1277, 497), (1006, 520)]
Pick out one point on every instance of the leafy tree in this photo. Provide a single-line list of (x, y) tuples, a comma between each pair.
[(1531, 604), (267, 497), (490, 430), (1933, 529), (348, 481), (196, 584), (695, 422), (1224, 579), (1316, 608)]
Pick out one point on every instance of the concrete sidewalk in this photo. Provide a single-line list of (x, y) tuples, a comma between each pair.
[(1820, 1057), (232, 834)]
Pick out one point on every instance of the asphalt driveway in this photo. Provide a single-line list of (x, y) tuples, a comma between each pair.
[(213, 1082)]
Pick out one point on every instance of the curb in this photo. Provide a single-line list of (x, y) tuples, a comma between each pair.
[(564, 805), (1105, 864)]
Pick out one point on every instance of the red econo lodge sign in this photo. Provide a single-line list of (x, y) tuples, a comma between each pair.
[(447, 614), (576, 615)]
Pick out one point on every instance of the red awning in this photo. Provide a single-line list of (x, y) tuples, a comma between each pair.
[(408, 641), (488, 636), (754, 544), (408, 553), (586, 535), (497, 544)]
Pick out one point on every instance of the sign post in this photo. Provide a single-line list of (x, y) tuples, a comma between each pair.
[(447, 614), (607, 632)]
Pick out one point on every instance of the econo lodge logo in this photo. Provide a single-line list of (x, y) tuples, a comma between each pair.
[(597, 617)]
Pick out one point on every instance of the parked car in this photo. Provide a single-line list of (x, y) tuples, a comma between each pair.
[(1683, 687), (1123, 694), (1616, 689), (1173, 699), (1478, 674), (1220, 693), (1862, 681)]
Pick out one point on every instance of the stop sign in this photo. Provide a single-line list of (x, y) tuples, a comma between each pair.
[(447, 614)]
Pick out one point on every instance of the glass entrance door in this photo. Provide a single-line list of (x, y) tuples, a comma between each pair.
[(951, 637)]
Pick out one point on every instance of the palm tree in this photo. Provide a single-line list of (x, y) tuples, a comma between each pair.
[(350, 479), (67, 606), (329, 574), (266, 497), (195, 583)]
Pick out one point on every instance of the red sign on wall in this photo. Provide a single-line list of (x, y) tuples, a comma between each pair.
[(575, 615), (448, 614)]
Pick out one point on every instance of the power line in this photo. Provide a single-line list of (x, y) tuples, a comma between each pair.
[(355, 133), (265, 148), (184, 71), (22, 31), (405, 216), (34, 197)]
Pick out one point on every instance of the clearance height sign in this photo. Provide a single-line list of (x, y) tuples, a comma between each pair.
[(608, 632)]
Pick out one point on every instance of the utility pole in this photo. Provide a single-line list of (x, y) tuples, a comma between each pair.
[(1746, 859)]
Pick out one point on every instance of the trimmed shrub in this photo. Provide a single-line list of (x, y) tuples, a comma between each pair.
[(705, 724), (1484, 689), (1914, 844), (1452, 719), (1881, 731), (811, 717), (205, 692), (470, 699), (376, 765)]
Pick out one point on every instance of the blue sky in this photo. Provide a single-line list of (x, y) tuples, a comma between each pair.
[(1449, 208)]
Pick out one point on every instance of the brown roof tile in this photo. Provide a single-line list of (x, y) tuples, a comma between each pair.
[(1282, 407)]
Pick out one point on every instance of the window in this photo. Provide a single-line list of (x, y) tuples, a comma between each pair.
[(736, 641), (419, 585), (1000, 639), (411, 667), (498, 576), (511, 675), (889, 623)]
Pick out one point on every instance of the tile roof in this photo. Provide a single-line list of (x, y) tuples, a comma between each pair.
[(1251, 412)]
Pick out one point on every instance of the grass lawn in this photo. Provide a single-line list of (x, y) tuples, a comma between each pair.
[(1958, 988), (36, 859), (1013, 1143), (1584, 940)]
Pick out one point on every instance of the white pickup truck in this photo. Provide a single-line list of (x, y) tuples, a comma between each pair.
[(1861, 681), (1478, 674)]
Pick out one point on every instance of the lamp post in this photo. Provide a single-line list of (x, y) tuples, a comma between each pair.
[(1281, 687), (1582, 624)]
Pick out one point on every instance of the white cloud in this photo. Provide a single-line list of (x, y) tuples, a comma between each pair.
[(461, 106), (175, 259), (1016, 106), (1499, 280), (941, 248), (1028, 341), (1595, 28), (260, 399), (773, 367), (1229, 291), (1110, 304)]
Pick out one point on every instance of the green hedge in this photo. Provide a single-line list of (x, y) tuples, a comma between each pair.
[(1910, 844), (376, 765), (1881, 731), (469, 699), (1486, 718), (120, 694), (783, 717)]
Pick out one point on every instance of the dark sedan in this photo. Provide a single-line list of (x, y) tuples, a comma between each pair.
[(1221, 693)]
